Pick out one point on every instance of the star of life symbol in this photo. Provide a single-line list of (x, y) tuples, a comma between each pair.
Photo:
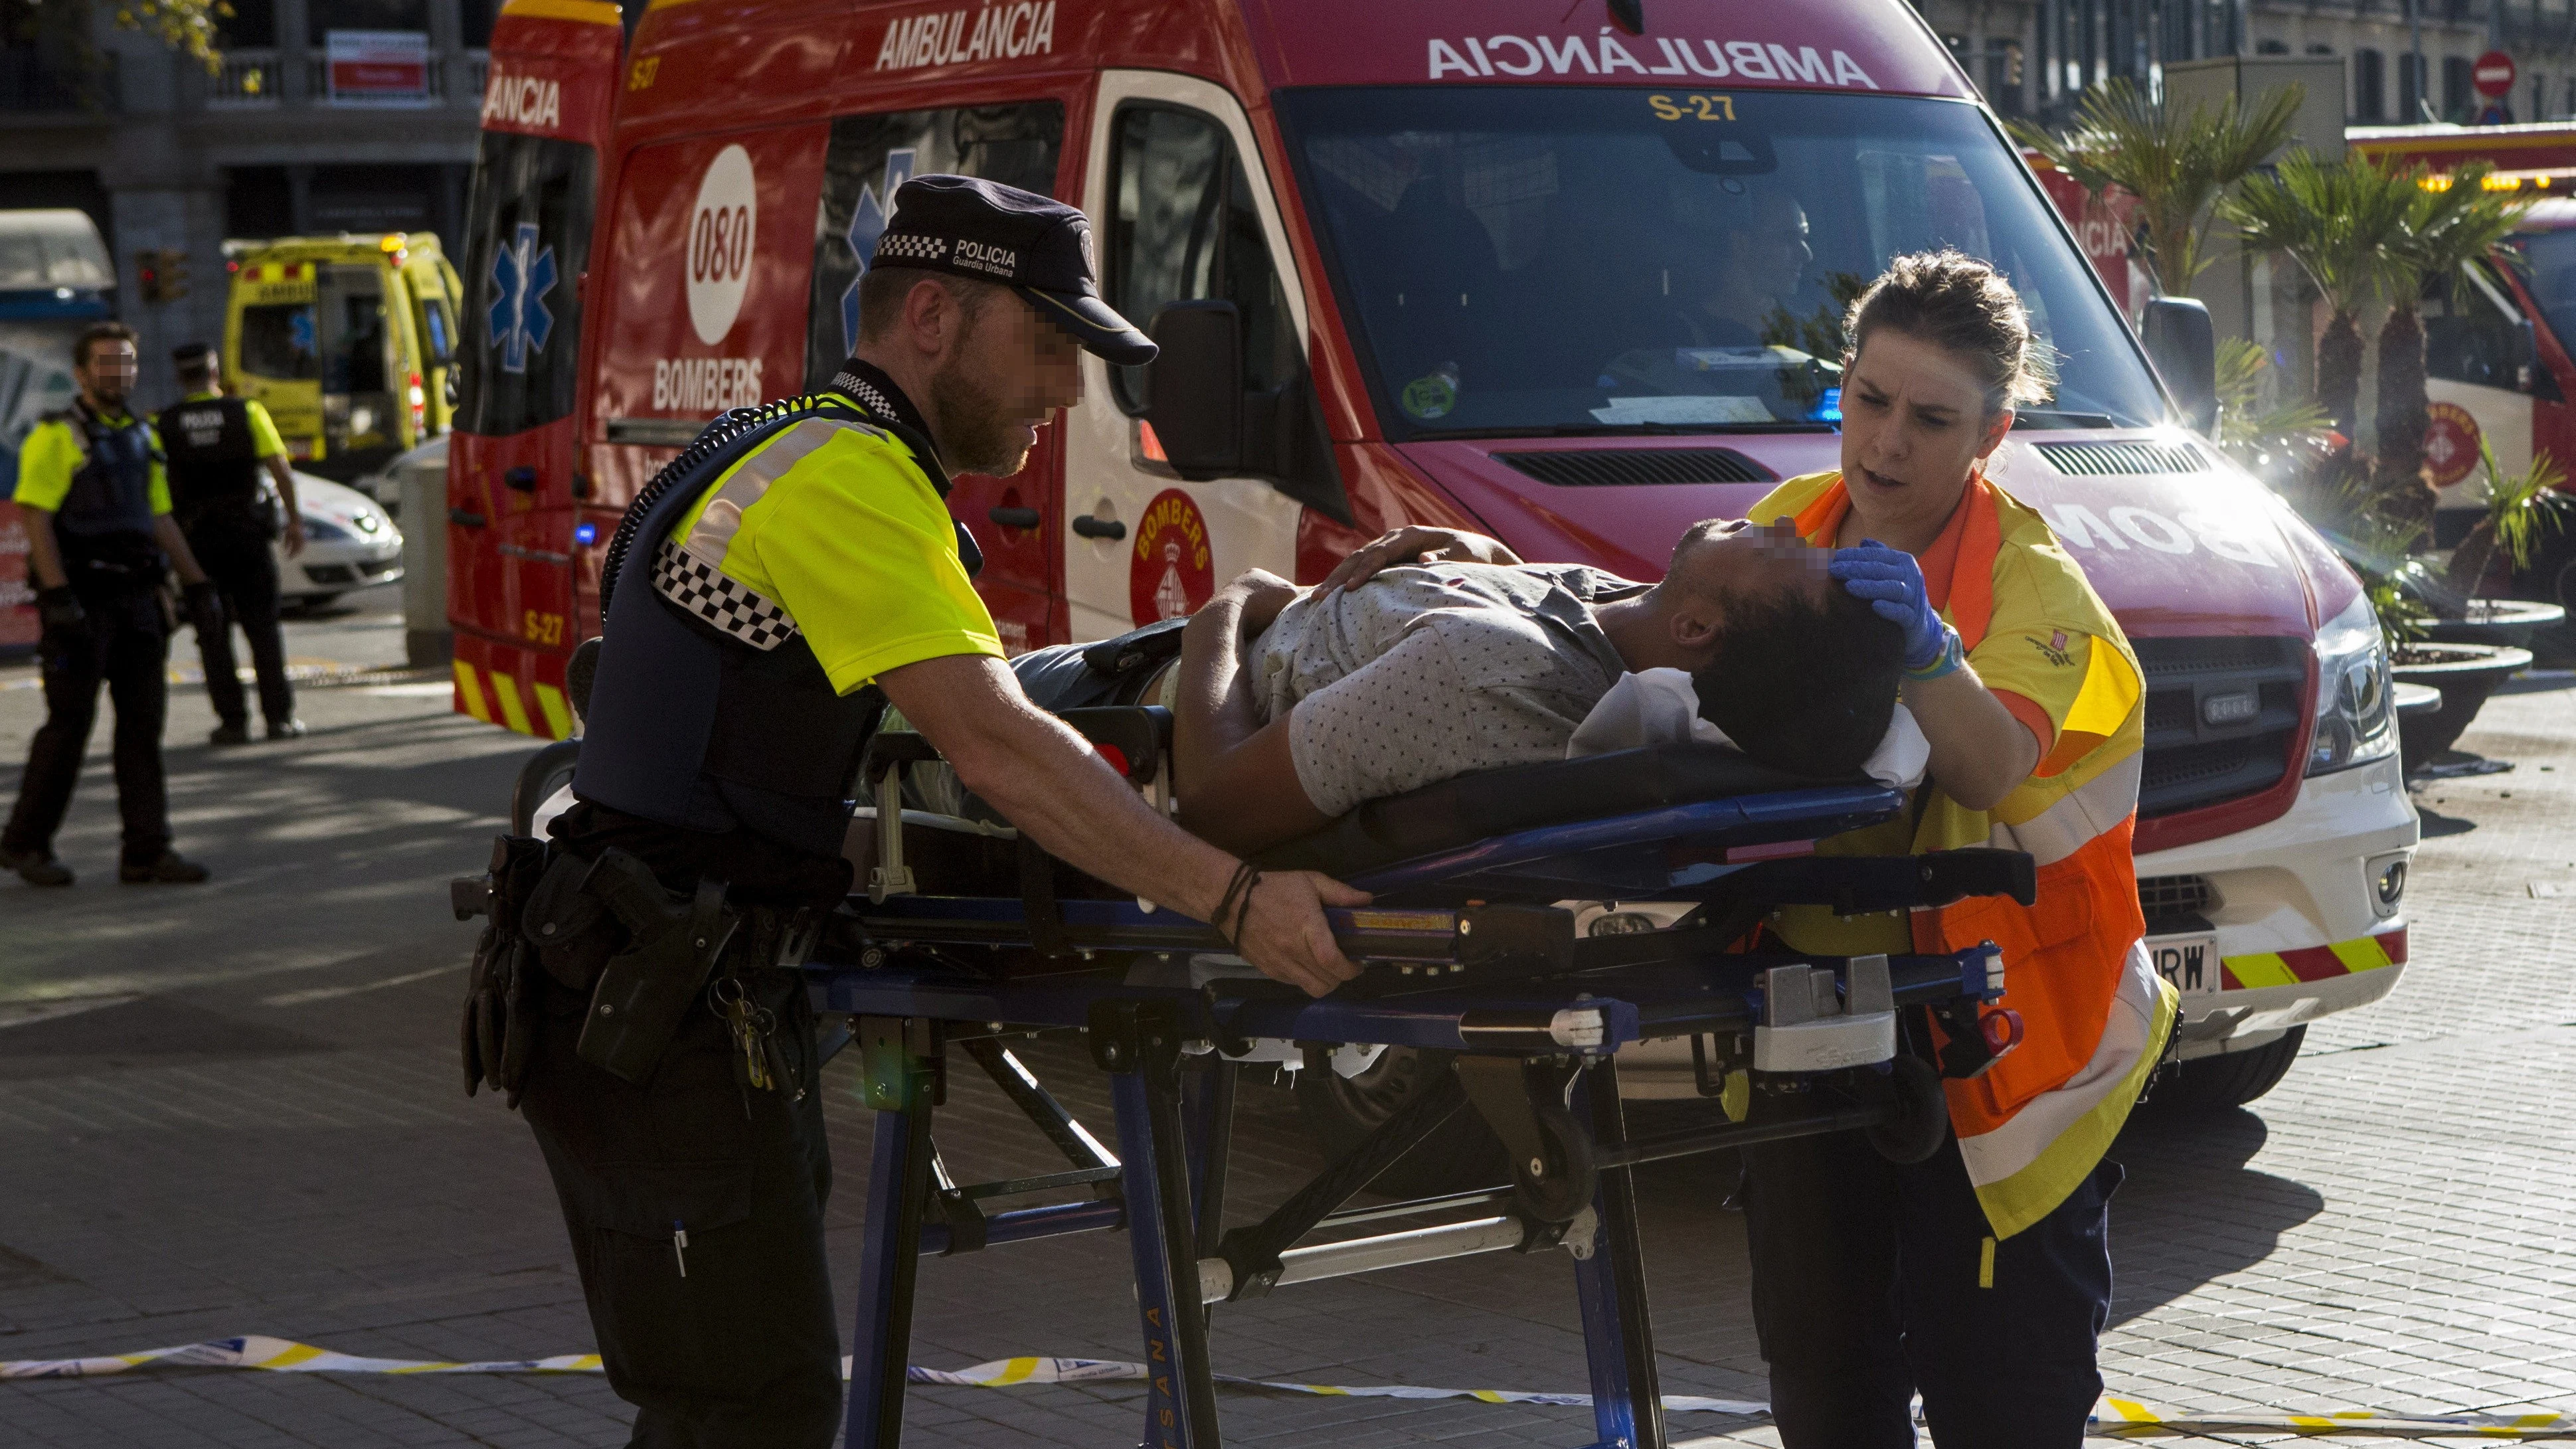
[(867, 223), (521, 276)]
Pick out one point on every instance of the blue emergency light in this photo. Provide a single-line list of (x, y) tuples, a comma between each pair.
[(585, 533)]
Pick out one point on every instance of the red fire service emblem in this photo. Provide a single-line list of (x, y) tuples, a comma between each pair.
[(1171, 572), (2450, 443)]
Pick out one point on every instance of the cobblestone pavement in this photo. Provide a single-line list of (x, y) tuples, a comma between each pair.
[(235, 1110)]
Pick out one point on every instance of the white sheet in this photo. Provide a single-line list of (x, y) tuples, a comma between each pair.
[(1659, 707)]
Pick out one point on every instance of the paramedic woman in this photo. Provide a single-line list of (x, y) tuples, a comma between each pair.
[(1982, 1276)]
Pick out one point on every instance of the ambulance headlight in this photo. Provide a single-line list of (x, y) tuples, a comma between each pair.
[(2356, 722)]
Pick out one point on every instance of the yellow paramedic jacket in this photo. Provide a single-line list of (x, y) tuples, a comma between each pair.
[(2094, 1011)]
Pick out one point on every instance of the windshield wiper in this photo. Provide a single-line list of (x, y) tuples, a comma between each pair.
[(2046, 418)]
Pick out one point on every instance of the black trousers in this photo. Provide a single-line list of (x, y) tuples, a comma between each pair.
[(725, 1340), (238, 559), (1871, 1281), (125, 643)]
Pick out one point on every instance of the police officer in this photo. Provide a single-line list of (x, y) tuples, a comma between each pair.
[(218, 446), (99, 536), (766, 583)]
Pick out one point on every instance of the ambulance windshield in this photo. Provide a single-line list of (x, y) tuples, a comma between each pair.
[(1563, 260)]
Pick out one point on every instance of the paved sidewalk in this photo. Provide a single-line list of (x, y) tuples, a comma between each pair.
[(236, 1110)]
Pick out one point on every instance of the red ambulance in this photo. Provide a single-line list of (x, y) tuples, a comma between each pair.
[(2497, 338), (1513, 266)]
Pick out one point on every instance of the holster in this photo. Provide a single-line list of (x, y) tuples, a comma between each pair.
[(672, 943), (499, 1024)]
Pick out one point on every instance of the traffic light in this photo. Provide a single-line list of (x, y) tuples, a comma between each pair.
[(162, 273)]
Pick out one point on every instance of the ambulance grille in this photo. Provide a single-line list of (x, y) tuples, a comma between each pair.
[(1603, 467), (2222, 716), (2106, 460), (2176, 895)]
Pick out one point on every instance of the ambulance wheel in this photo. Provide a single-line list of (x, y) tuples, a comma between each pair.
[(1461, 1157), (2216, 1084), (1922, 1119)]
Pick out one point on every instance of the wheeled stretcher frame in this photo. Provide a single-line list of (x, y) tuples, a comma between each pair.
[(1469, 952)]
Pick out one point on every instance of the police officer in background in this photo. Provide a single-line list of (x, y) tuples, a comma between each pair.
[(779, 584), (218, 446), (99, 538)]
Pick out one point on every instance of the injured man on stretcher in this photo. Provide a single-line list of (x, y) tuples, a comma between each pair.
[(1434, 653)]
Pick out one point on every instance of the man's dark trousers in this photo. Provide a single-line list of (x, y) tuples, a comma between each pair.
[(1871, 1281), (124, 642), (235, 554), (741, 1351)]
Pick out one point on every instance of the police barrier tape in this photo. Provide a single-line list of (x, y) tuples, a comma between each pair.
[(2114, 1417)]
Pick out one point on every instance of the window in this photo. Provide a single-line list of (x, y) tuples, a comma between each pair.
[(1580, 260), (869, 157), (474, 22), (2469, 329), (527, 238), (2410, 88), (2369, 86), (2271, 47), (325, 16), (351, 306), (252, 24), (437, 333), (277, 341), (1183, 228), (2458, 87), (2003, 76)]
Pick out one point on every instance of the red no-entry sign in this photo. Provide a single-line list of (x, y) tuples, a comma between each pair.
[(2494, 74)]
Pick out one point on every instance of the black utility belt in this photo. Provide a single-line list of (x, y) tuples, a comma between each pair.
[(640, 954)]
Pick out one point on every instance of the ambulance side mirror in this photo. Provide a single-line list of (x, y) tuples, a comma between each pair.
[(1194, 389), (2184, 348)]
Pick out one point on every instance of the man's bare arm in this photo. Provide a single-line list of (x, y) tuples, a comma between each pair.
[(44, 559), (284, 477), (1234, 775), (1049, 782)]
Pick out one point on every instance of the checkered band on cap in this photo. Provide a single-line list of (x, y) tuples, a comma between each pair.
[(689, 582), (909, 247)]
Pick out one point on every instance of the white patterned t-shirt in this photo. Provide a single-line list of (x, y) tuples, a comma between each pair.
[(1427, 672)]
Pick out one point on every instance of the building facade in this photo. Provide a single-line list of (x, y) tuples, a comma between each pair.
[(2033, 57), (325, 116)]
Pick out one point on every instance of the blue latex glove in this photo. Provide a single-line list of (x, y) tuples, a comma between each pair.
[(1893, 583)]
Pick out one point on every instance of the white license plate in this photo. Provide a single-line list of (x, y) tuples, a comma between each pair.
[(2189, 962)]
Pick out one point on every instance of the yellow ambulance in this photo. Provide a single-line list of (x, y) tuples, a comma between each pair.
[(349, 342)]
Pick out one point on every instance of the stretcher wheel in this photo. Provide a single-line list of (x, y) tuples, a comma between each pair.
[(1921, 1121)]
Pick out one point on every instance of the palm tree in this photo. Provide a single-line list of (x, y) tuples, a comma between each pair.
[(2520, 509), (2337, 223), (2177, 165), (2448, 227)]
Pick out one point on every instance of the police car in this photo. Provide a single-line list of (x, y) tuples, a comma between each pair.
[(350, 542)]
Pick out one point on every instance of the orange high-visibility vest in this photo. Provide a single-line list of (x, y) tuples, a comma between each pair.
[(2095, 1013)]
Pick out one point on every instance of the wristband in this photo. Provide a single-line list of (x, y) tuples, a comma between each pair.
[(1952, 658)]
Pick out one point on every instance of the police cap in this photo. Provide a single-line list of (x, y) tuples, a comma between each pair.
[(192, 356), (1035, 245)]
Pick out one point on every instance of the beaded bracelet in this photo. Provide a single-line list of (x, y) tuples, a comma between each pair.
[(1246, 880)]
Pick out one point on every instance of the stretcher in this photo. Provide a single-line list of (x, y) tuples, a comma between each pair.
[(969, 938)]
